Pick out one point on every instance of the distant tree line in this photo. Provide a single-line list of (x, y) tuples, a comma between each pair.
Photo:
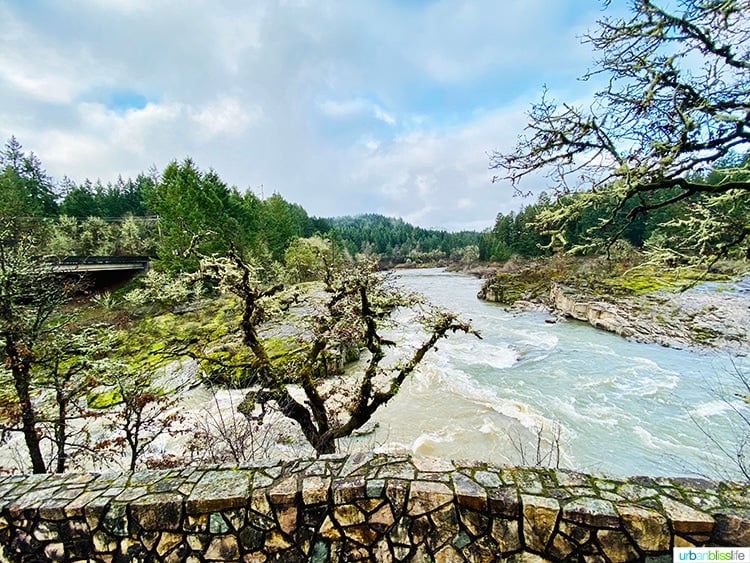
[(183, 212), (399, 242), (544, 227)]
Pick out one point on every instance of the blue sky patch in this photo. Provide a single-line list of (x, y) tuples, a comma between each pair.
[(124, 100)]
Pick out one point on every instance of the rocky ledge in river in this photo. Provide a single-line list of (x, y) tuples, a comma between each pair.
[(715, 316), (690, 318)]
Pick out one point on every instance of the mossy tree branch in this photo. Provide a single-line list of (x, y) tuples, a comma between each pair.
[(675, 106)]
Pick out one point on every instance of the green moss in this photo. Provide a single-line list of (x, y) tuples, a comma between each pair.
[(103, 398), (528, 284), (703, 334), (647, 278), (638, 284), (233, 364), (147, 341), (282, 348)]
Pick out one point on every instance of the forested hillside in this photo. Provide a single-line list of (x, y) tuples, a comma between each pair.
[(183, 211)]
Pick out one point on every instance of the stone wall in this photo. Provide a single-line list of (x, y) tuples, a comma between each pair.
[(364, 507)]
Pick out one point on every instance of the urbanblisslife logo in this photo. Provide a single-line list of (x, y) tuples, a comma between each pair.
[(730, 554)]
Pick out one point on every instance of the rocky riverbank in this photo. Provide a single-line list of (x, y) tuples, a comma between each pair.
[(690, 318), (707, 315)]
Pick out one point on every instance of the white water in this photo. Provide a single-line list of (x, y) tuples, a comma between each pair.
[(622, 408)]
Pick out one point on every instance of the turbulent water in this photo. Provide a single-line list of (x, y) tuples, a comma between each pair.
[(563, 393), (528, 392)]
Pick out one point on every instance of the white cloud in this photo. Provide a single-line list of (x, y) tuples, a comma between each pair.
[(34, 67), (354, 108), (122, 6), (225, 116), (440, 176), (343, 107)]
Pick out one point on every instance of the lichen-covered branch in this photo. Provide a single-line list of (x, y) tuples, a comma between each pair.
[(676, 106)]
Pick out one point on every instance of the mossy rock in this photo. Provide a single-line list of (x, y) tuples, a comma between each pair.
[(233, 364), (529, 284), (531, 281), (215, 327), (103, 398)]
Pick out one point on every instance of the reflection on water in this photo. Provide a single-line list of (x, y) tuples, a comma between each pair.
[(616, 406)]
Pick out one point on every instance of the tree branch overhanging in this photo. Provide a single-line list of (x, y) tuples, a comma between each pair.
[(676, 104)]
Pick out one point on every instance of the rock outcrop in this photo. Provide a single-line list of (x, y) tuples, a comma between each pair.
[(693, 318), (687, 319)]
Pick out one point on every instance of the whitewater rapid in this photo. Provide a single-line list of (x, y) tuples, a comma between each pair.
[(590, 400)]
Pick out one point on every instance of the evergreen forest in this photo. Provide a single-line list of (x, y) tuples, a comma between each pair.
[(182, 212)]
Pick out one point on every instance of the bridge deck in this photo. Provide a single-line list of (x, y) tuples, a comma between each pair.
[(71, 264)]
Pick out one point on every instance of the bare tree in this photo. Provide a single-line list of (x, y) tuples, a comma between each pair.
[(142, 415), (31, 297), (676, 103), (224, 435), (737, 419), (546, 446), (357, 305), (66, 365)]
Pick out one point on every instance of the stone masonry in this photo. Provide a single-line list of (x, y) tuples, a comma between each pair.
[(364, 507)]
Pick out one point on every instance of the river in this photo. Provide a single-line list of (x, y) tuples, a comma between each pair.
[(593, 401)]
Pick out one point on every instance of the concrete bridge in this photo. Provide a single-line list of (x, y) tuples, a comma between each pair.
[(102, 271), (73, 264)]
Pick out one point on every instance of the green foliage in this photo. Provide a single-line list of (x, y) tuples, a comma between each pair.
[(192, 215), (25, 188), (307, 259), (166, 290), (586, 223), (283, 222), (395, 242), (516, 234), (93, 236), (124, 197), (184, 212)]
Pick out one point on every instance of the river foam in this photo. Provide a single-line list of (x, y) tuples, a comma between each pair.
[(622, 407)]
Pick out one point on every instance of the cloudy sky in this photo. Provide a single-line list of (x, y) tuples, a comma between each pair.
[(345, 107)]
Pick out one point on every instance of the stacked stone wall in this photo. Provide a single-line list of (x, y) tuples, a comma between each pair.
[(364, 507)]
